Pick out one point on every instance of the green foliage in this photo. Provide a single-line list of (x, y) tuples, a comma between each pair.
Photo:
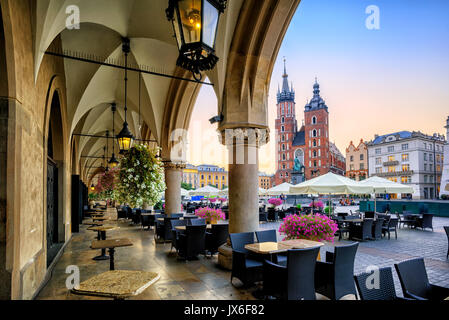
[(158, 205), (141, 177), (298, 206), (326, 210), (186, 186)]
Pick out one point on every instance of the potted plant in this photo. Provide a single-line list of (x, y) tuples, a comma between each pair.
[(314, 227), (211, 215), (275, 202)]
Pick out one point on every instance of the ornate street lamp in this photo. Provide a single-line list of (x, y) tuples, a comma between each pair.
[(125, 138), (113, 161), (92, 187), (195, 24)]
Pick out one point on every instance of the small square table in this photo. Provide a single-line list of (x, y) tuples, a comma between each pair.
[(102, 236), (117, 284), (111, 245)]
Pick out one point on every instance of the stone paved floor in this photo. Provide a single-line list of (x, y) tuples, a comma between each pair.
[(203, 279)]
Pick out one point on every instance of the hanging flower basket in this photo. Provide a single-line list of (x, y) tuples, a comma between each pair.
[(275, 202), (314, 227), (141, 177), (212, 216)]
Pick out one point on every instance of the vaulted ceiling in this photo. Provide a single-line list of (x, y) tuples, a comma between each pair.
[(92, 88)]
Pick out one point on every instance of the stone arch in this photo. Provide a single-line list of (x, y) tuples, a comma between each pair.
[(55, 151)]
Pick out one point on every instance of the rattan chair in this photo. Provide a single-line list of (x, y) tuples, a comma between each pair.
[(392, 226), (415, 283), (217, 236), (270, 236), (385, 291), (377, 228), (295, 281), (191, 242)]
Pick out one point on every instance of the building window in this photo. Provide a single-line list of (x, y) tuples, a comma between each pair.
[(282, 120), (391, 169), (379, 170), (314, 154), (314, 143), (283, 147), (405, 157), (438, 168), (314, 163), (404, 146), (378, 151), (283, 138), (430, 167), (406, 179), (282, 128), (314, 133), (391, 149), (362, 166), (351, 158), (361, 157), (378, 160), (405, 167), (425, 156), (313, 120), (425, 166), (425, 178), (391, 158), (286, 174), (283, 156), (351, 167)]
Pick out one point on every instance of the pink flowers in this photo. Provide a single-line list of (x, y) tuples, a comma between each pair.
[(318, 204), (275, 201), (314, 227), (209, 213)]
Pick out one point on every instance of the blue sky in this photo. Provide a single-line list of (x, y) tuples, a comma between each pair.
[(373, 81)]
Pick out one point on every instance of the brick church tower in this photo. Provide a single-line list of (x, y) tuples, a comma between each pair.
[(316, 128), (286, 127)]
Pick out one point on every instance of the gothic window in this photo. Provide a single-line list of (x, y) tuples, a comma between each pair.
[(282, 119), (283, 156), (282, 138), (314, 143), (313, 120), (283, 147), (314, 154), (282, 128), (314, 133)]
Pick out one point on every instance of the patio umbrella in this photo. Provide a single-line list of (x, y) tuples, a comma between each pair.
[(331, 183), (381, 185), (223, 192), (205, 191), (184, 192), (283, 188)]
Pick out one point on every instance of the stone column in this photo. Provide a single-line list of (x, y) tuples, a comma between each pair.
[(243, 147), (173, 179)]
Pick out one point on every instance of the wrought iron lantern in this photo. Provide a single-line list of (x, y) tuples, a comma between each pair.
[(92, 187), (125, 138), (195, 24), (113, 161)]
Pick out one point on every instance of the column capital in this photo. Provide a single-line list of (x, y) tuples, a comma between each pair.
[(168, 164), (244, 135)]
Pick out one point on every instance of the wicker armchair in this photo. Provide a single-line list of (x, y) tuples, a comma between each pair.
[(270, 236), (377, 228), (392, 226), (245, 266), (386, 290), (295, 281), (217, 236), (191, 243), (425, 221), (415, 283), (335, 277), (361, 232)]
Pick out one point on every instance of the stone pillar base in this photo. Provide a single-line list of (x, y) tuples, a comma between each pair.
[(225, 256)]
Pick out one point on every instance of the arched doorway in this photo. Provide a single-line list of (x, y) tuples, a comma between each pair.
[(55, 155)]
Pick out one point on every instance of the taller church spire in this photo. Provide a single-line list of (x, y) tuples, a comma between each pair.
[(287, 93)]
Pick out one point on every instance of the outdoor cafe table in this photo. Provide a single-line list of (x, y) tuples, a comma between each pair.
[(102, 236), (183, 228), (99, 218), (117, 284), (111, 245), (282, 246)]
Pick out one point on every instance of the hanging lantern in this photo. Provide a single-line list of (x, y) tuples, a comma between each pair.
[(195, 24), (113, 162), (125, 138), (92, 187)]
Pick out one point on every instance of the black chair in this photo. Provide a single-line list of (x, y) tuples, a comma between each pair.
[(392, 226), (270, 236), (121, 214), (176, 215), (385, 291), (175, 233), (272, 214), (145, 221), (263, 217), (136, 216), (415, 283), (245, 266), (342, 228), (163, 229), (342, 214), (191, 242), (446, 228), (377, 228), (295, 281), (407, 218), (196, 222), (335, 277), (362, 232), (129, 213), (424, 222), (217, 236), (369, 215)]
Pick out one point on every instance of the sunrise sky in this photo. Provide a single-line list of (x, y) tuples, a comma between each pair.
[(373, 81)]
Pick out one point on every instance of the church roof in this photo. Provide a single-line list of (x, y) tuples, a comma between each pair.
[(317, 102), (300, 138), (287, 93)]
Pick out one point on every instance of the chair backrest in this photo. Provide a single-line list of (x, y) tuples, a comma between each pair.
[(344, 257), (413, 277), (266, 236), (367, 225), (196, 222), (378, 227), (176, 215), (427, 220), (301, 273), (446, 228), (367, 289), (177, 223), (195, 237), (369, 214), (393, 223), (220, 233), (239, 240)]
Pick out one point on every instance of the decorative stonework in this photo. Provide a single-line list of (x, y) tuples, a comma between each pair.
[(246, 135), (173, 165)]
